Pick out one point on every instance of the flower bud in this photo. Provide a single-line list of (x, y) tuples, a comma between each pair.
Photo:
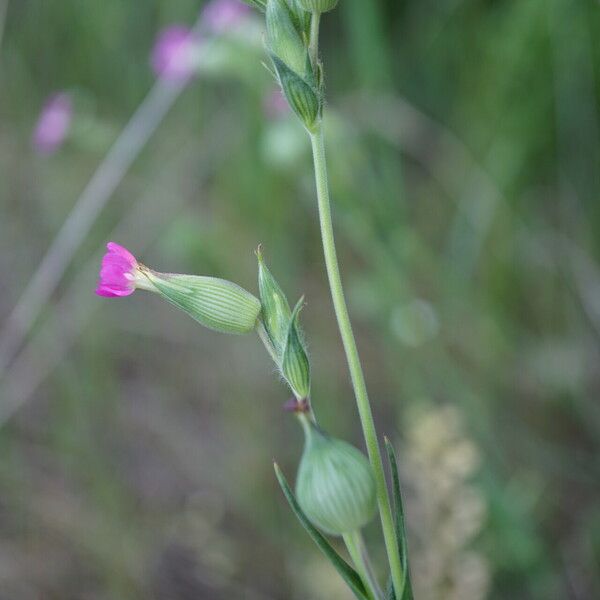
[(317, 6), (302, 97), (335, 485), (284, 37), (294, 362), (276, 311), (215, 303)]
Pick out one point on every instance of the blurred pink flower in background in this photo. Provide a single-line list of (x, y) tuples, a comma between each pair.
[(219, 16), (174, 53), (275, 105), (53, 124), (117, 273)]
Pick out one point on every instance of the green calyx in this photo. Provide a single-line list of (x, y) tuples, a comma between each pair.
[(276, 313), (303, 97), (317, 6), (288, 32), (215, 303), (295, 366), (259, 4), (284, 338), (335, 485), (285, 35)]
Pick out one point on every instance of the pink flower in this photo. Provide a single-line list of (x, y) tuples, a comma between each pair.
[(220, 16), (118, 272), (174, 53), (53, 124)]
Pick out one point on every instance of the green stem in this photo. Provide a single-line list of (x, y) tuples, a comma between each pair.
[(356, 372), (358, 552)]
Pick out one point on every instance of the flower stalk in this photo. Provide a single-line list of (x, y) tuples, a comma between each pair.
[(352, 356), (358, 553), (349, 343)]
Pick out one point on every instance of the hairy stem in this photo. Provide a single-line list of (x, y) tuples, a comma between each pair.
[(354, 364)]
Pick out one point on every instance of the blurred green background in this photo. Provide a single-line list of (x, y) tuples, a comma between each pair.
[(463, 139)]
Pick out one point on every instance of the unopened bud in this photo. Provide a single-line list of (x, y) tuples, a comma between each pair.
[(302, 97), (335, 485), (276, 313), (295, 366), (284, 36)]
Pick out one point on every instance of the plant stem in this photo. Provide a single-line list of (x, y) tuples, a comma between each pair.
[(354, 364), (358, 552)]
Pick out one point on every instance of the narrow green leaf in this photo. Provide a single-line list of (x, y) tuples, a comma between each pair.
[(348, 574), (294, 363), (406, 592)]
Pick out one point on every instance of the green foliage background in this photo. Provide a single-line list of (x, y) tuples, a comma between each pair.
[(464, 152)]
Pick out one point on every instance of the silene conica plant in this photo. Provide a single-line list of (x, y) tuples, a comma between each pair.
[(338, 489)]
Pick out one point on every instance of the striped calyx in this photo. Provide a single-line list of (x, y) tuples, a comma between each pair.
[(317, 6), (294, 362), (260, 4), (335, 486), (215, 303)]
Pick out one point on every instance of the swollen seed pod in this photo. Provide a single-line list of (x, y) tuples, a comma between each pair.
[(284, 38), (317, 6), (215, 303), (335, 485), (276, 311)]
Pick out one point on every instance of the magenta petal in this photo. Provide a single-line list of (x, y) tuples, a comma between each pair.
[(117, 272), (113, 247), (111, 293)]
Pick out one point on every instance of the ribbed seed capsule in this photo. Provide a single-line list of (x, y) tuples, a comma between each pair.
[(335, 485), (215, 303), (294, 363)]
